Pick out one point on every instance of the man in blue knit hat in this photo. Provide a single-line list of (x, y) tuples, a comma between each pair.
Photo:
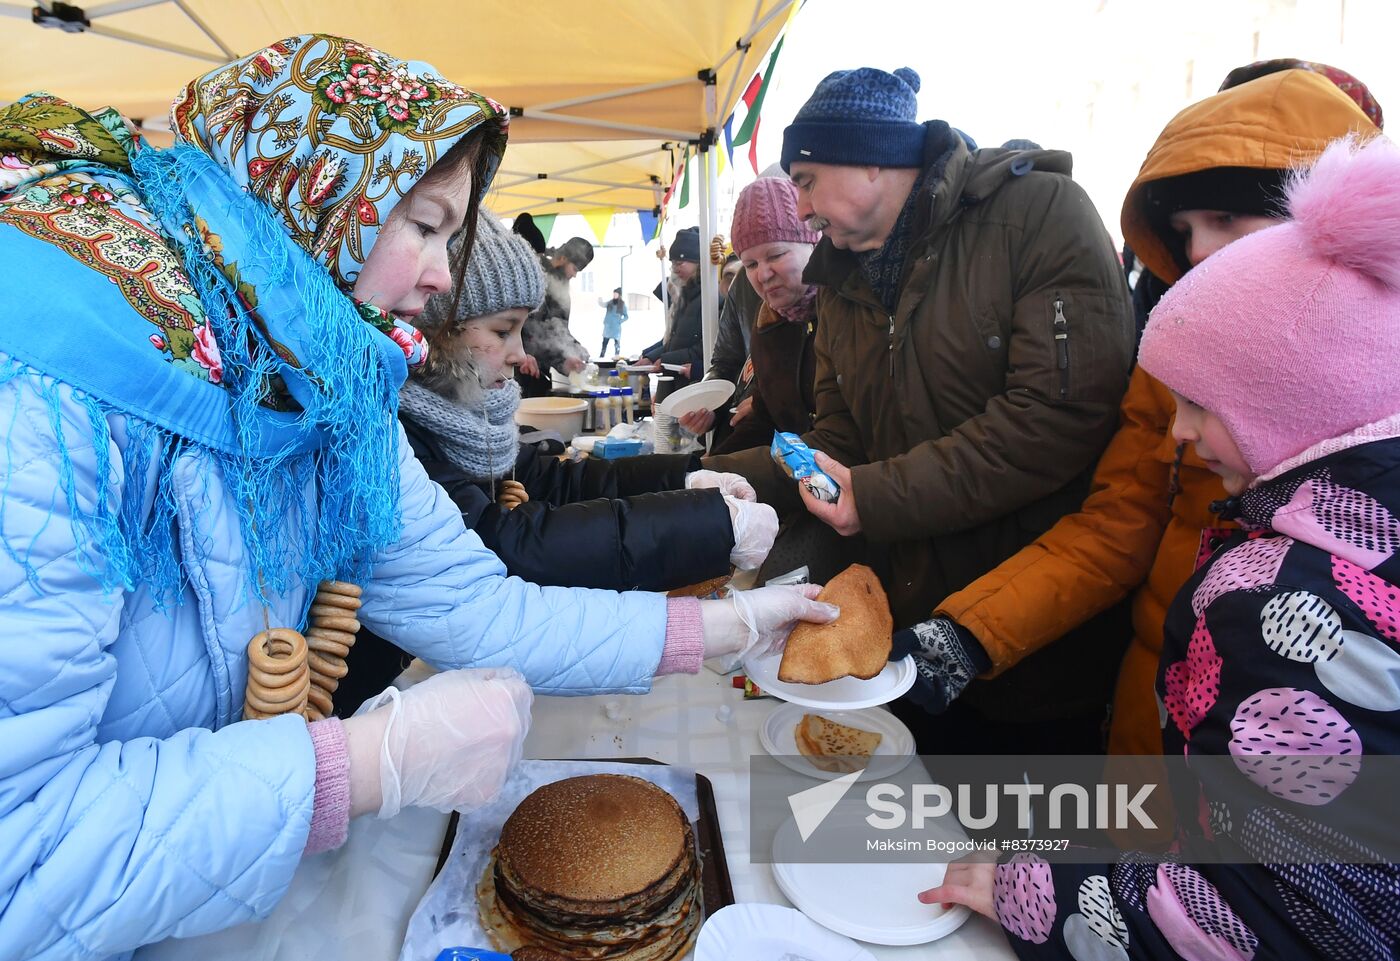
[(975, 338)]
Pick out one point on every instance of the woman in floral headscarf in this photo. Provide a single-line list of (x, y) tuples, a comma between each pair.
[(201, 428)]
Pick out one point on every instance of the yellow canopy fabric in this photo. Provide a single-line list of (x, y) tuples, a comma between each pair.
[(596, 89)]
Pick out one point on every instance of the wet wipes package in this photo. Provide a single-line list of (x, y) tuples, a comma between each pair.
[(797, 460)]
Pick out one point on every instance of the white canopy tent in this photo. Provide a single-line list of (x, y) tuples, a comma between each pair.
[(603, 97)]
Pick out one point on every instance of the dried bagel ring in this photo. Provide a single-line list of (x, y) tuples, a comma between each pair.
[(327, 648), (320, 700), (320, 613), (290, 703), (339, 601), (344, 637), (273, 687), (343, 588), (346, 624), (512, 494), (311, 714), (327, 667), (277, 650)]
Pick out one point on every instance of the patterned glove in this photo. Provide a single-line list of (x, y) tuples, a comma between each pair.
[(947, 657)]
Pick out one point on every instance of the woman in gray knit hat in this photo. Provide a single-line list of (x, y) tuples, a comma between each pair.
[(620, 525)]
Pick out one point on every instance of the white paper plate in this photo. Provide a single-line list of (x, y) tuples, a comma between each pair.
[(878, 903), (705, 395), (767, 932), (844, 694), (778, 735)]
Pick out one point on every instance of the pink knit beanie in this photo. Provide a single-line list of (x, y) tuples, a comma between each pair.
[(766, 213), (1291, 335)]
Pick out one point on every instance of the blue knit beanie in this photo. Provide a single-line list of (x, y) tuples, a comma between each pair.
[(863, 117)]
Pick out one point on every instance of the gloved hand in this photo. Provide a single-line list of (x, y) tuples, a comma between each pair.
[(761, 619), (732, 485), (447, 743), (947, 656), (755, 527)]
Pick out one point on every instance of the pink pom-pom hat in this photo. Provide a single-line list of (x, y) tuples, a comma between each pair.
[(1291, 335)]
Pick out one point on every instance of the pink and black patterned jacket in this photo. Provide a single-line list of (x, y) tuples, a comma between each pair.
[(1282, 654)]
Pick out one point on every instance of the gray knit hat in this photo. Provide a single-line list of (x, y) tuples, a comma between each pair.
[(503, 273)]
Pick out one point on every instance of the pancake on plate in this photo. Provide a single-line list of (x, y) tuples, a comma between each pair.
[(856, 644), (837, 748)]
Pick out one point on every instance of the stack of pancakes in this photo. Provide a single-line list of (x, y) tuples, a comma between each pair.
[(601, 867)]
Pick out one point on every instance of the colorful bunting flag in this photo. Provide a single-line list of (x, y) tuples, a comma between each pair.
[(749, 95), (649, 222), (685, 180), (746, 130), (546, 223), (729, 137), (599, 219)]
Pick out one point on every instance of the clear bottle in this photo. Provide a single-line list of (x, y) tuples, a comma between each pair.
[(615, 405), (602, 412), (629, 405)]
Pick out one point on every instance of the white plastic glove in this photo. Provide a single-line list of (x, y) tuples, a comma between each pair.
[(761, 619), (755, 527), (447, 743), (732, 485)]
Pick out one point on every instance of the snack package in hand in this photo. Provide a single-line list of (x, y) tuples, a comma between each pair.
[(798, 461)]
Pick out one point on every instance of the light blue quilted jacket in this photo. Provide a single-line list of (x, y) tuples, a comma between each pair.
[(134, 805)]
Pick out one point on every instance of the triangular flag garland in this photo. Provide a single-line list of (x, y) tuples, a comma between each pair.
[(649, 222), (729, 137), (546, 223), (753, 147), (747, 98), (685, 180), (599, 219), (746, 130)]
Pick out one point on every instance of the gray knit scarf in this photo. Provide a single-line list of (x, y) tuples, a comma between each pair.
[(483, 441)]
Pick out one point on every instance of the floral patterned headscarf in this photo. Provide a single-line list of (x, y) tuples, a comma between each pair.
[(331, 134), (216, 280)]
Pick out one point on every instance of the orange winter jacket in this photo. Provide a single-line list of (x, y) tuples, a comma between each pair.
[(1132, 535)]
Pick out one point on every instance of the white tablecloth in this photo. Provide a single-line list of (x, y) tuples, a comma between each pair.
[(353, 904)]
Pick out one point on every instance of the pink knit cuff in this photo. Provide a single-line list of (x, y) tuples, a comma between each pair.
[(330, 812), (685, 638)]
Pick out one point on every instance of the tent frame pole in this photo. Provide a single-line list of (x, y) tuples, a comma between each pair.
[(666, 133), (709, 226)]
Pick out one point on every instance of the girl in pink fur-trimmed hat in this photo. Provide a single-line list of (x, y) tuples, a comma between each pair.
[(1280, 672)]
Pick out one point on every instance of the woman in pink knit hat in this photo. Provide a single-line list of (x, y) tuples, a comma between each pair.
[(774, 247), (1280, 676)]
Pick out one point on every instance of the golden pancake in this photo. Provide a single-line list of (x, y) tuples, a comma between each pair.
[(835, 747), (856, 644)]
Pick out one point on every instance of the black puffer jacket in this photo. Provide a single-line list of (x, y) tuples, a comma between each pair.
[(619, 525), (683, 341)]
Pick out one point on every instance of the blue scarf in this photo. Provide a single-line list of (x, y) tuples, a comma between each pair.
[(206, 294)]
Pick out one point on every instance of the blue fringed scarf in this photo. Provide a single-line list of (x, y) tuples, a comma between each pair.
[(204, 291), (345, 435)]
